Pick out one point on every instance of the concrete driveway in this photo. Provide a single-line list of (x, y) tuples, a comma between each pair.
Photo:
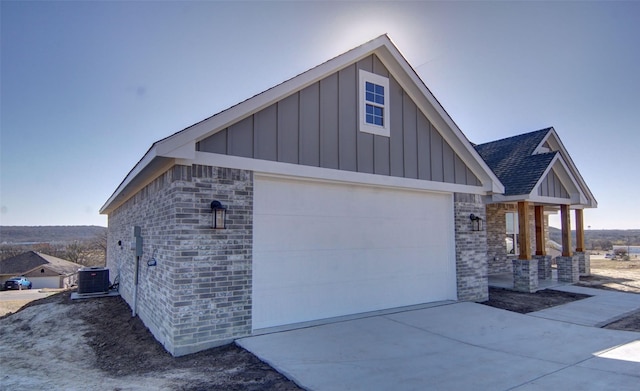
[(454, 346), (25, 294)]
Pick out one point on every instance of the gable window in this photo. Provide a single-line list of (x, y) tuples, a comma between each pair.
[(511, 239), (374, 103)]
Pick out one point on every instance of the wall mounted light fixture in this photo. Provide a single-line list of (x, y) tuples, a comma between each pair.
[(476, 222), (218, 215)]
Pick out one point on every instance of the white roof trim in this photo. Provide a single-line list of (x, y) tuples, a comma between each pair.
[(571, 168), (577, 198), (181, 145), (268, 167)]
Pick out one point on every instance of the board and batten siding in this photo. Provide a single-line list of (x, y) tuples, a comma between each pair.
[(318, 126), (552, 187)]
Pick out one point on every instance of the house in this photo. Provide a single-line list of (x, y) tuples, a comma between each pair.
[(44, 271), (539, 178), (344, 190)]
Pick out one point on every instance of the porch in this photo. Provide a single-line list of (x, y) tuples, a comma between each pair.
[(506, 281)]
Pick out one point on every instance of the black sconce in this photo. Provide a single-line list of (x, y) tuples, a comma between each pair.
[(218, 215), (476, 222)]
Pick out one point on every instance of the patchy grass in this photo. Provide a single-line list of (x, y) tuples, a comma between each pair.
[(11, 306)]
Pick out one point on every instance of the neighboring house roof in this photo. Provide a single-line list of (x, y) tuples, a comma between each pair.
[(525, 162), (180, 148), (25, 262)]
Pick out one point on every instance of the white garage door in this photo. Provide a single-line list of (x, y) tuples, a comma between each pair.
[(45, 282), (323, 250)]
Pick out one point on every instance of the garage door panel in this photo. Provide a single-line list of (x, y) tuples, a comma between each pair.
[(324, 250)]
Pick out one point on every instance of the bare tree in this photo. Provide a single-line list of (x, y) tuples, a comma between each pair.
[(10, 250), (99, 242), (76, 252)]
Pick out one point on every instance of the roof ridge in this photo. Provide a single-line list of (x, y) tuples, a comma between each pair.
[(528, 134)]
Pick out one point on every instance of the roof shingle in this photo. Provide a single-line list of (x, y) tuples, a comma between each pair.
[(513, 161)]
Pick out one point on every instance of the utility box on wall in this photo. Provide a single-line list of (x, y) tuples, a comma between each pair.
[(93, 280)]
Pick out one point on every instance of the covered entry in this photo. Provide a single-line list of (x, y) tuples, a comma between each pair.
[(325, 249)]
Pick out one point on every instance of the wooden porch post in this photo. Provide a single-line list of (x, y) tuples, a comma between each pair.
[(565, 220), (524, 231), (579, 231), (541, 242)]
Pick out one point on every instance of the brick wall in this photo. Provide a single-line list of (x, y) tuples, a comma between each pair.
[(199, 294), (471, 249)]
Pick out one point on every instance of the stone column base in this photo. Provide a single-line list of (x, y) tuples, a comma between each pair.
[(568, 269), (584, 263), (525, 275), (544, 267)]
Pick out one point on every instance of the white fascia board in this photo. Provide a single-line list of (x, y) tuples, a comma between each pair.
[(437, 115), (391, 58), (572, 167), (325, 174), (144, 162), (539, 148), (264, 99), (499, 198), (566, 178)]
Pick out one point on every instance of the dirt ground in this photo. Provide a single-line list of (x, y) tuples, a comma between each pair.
[(607, 274), (614, 275), (59, 344), (524, 303)]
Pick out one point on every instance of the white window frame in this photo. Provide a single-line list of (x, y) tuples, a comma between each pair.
[(513, 234), (364, 126)]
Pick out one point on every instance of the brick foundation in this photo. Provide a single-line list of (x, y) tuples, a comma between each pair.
[(544, 267), (584, 263), (568, 269), (525, 275)]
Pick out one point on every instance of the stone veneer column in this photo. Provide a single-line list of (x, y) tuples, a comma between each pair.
[(584, 263), (544, 267), (525, 275), (471, 249), (568, 269)]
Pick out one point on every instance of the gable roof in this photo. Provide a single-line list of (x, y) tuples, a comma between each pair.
[(25, 262), (181, 146), (522, 162), (513, 160)]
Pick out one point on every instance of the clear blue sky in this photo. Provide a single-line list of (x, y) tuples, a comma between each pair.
[(87, 87)]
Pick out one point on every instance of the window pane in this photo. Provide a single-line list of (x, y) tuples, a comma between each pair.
[(369, 119), (370, 87), (374, 115), (509, 221), (370, 97)]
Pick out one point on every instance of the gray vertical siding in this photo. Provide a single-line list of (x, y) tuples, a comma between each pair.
[(318, 126), (410, 136), (396, 141), (329, 106), (236, 136), (552, 187), (265, 134), (287, 130), (309, 140), (347, 119)]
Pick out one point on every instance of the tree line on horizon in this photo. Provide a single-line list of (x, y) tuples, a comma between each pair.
[(88, 251), (601, 240)]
